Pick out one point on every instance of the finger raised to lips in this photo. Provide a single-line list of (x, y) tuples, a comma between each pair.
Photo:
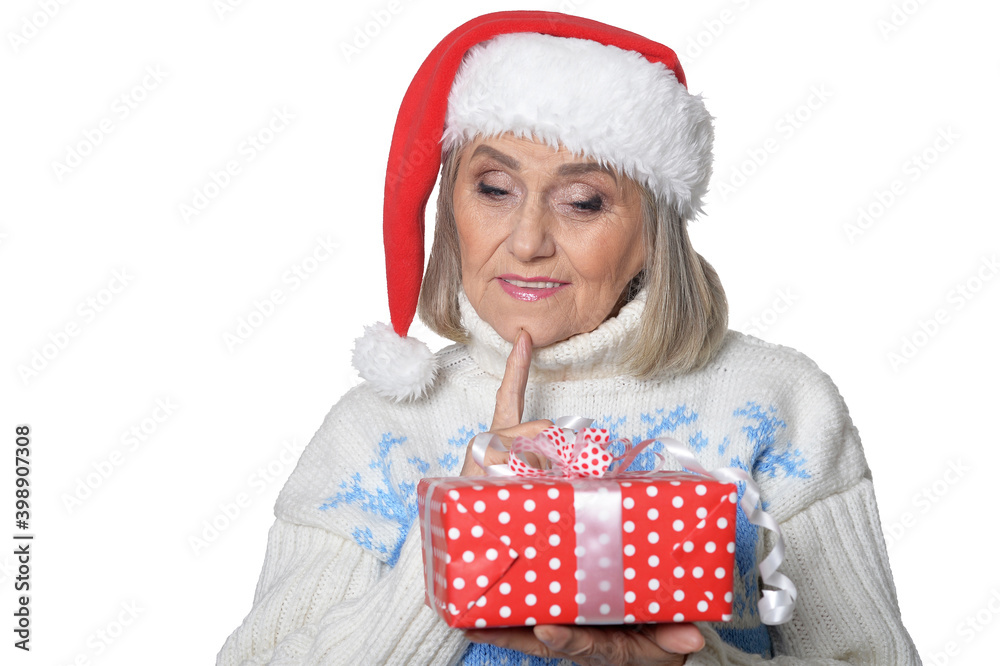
[(510, 395)]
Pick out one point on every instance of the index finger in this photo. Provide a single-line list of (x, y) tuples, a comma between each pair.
[(510, 395)]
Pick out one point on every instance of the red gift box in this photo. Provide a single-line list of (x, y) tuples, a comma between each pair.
[(634, 548)]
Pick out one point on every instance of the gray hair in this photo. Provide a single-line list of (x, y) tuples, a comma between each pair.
[(686, 313)]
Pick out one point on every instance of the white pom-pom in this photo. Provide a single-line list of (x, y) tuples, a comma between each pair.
[(397, 368)]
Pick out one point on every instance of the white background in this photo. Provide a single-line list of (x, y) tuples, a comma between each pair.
[(880, 94)]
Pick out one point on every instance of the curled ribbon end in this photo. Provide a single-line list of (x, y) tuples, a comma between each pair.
[(776, 607)]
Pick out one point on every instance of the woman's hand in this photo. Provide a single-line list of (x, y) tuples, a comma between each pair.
[(509, 408), (645, 645)]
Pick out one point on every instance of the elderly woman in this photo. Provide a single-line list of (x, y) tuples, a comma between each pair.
[(573, 157)]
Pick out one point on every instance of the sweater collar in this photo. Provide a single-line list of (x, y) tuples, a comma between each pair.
[(583, 356)]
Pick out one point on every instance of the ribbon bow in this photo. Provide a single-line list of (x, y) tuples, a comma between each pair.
[(586, 455), (572, 447)]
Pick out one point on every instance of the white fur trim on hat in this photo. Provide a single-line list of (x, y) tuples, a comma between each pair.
[(397, 368), (604, 102)]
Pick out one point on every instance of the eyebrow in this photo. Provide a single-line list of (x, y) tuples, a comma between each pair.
[(580, 168), (571, 169), (503, 158)]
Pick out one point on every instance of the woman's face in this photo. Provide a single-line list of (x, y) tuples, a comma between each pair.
[(548, 241)]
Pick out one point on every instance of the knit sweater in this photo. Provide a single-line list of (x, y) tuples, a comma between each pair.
[(342, 581)]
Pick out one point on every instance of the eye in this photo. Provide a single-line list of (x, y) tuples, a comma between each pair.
[(594, 203), (490, 191), (582, 199)]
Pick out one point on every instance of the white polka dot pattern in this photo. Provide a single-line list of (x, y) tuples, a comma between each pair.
[(666, 569), (505, 553)]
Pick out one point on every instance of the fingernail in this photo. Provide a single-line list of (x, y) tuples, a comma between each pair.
[(694, 643), (544, 636), (550, 635)]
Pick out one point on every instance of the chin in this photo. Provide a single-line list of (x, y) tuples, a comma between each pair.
[(540, 336)]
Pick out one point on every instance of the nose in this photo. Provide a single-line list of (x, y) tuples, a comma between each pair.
[(531, 232)]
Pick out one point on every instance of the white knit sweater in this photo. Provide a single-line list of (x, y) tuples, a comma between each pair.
[(342, 581)]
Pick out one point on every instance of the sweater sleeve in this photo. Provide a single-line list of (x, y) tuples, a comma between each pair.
[(322, 599), (846, 612)]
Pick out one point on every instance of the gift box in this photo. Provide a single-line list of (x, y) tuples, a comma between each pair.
[(634, 548)]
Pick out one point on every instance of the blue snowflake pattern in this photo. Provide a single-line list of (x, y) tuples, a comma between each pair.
[(450, 460), (762, 433), (396, 503), (698, 441), (656, 425), (421, 465), (662, 422)]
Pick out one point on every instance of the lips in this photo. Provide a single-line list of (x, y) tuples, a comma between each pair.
[(530, 289)]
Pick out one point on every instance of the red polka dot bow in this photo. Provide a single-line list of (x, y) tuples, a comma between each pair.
[(585, 455), (570, 448)]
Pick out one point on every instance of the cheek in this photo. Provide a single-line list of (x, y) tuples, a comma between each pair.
[(630, 250), (634, 256), (466, 239), (476, 244), (609, 259)]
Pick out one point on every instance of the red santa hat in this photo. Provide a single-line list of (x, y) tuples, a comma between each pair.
[(598, 90)]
